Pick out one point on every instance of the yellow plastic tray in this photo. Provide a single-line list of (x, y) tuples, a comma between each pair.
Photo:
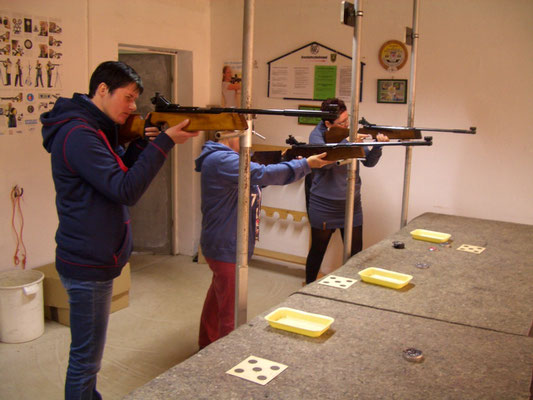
[(430, 236), (384, 277), (298, 321)]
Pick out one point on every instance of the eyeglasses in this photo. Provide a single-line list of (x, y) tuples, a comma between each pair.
[(342, 124)]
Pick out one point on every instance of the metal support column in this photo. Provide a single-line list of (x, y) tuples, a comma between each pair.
[(245, 141), (354, 118), (410, 116)]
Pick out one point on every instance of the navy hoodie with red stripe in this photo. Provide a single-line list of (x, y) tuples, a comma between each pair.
[(95, 181)]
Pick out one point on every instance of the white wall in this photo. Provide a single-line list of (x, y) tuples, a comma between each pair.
[(475, 68), (92, 32), (23, 160)]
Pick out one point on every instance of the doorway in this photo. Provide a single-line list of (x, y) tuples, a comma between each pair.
[(153, 216)]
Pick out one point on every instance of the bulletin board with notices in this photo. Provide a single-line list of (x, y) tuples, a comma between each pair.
[(311, 72)]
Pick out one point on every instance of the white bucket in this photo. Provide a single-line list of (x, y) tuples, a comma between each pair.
[(21, 306)]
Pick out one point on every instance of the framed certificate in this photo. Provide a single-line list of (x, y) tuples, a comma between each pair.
[(392, 91)]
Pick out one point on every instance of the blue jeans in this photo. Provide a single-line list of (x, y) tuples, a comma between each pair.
[(90, 302)]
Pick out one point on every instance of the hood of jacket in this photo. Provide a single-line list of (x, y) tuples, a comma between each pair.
[(79, 108), (209, 148)]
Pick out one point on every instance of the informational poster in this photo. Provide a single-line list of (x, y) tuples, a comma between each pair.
[(30, 69), (312, 72)]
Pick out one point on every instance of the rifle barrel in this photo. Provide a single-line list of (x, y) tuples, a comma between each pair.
[(428, 141), (286, 112), (163, 105), (366, 124), (471, 131), (262, 111)]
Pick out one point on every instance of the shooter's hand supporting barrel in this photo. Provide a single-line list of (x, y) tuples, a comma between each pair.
[(317, 161), (380, 137), (176, 132)]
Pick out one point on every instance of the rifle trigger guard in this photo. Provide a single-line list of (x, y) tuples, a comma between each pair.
[(162, 126)]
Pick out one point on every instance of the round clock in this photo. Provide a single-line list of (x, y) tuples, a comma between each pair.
[(393, 55)]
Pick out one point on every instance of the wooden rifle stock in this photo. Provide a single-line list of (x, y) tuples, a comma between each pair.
[(135, 125)]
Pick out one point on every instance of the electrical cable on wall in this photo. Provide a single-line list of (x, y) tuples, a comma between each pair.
[(20, 251)]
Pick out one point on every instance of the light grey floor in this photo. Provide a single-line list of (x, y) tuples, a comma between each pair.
[(158, 330)]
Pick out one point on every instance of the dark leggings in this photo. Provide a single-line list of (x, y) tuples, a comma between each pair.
[(319, 244)]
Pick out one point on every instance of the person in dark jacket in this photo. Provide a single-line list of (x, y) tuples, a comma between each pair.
[(327, 195), (95, 181), (219, 166)]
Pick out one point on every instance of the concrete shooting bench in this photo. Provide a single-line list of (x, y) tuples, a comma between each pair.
[(470, 314)]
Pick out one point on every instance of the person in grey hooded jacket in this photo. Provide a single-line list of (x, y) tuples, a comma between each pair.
[(219, 166), (327, 194)]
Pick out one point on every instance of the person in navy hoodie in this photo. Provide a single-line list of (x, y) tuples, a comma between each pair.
[(327, 195), (219, 167), (96, 180)]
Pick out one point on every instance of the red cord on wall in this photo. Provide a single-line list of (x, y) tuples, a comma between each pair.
[(20, 251)]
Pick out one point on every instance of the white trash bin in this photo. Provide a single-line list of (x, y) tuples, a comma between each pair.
[(21, 306)]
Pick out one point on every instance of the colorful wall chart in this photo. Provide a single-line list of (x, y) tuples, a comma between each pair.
[(30, 70)]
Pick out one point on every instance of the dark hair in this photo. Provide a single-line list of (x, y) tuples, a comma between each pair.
[(336, 103), (114, 74)]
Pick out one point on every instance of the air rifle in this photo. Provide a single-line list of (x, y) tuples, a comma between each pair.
[(335, 151), (203, 119), (336, 134)]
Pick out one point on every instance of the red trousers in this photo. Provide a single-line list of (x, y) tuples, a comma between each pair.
[(218, 314)]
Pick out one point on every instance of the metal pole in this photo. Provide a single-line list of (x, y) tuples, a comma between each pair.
[(354, 118), (245, 141), (410, 116)]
